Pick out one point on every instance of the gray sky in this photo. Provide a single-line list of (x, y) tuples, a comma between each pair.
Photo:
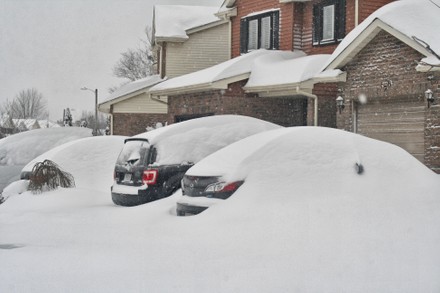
[(59, 46)]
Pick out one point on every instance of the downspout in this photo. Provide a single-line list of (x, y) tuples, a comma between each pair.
[(315, 102), (111, 119), (356, 13)]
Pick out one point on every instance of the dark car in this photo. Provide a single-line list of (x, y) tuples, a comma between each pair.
[(151, 165), (210, 187)]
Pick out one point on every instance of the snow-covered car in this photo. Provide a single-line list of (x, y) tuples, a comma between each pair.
[(82, 157), (19, 149), (151, 165), (290, 153)]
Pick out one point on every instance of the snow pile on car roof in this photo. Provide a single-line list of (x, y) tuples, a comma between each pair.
[(292, 151), (20, 148), (192, 140)]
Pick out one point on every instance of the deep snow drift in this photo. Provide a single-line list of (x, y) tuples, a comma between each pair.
[(303, 222), (20, 148)]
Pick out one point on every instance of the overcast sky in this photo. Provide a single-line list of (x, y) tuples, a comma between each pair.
[(59, 46)]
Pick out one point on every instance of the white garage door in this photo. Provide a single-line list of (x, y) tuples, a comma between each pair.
[(398, 123)]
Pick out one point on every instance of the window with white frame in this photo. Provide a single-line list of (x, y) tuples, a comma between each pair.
[(328, 22), (260, 31)]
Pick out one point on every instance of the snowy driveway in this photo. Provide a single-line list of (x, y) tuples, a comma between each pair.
[(9, 174)]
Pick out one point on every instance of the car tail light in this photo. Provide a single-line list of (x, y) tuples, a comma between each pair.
[(223, 186), (149, 177)]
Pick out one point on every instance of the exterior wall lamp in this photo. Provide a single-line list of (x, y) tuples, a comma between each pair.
[(429, 95), (340, 103)]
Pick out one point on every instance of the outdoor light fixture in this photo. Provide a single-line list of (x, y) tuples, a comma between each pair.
[(340, 103), (429, 95)]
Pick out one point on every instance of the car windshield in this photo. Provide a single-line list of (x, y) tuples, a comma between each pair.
[(135, 152)]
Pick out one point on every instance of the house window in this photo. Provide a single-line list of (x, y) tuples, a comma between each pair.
[(260, 32), (328, 22)]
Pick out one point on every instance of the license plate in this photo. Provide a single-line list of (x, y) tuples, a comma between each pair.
[(127, 177)]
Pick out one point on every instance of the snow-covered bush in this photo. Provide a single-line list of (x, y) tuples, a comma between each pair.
[(47, 175)]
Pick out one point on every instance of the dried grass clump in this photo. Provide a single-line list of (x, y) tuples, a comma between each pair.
[(47, 175)]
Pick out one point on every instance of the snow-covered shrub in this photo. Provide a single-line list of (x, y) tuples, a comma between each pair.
[(47, 175)]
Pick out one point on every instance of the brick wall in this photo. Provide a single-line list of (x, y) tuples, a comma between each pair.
[(385, 70), (327, 94), (285, 111), (245, 7), (131, 123), (366, 7)]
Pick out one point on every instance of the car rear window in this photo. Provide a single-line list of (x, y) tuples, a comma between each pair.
[(134, 153)]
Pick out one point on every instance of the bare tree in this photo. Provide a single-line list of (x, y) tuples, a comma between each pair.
[(27, 104), (137, 63)]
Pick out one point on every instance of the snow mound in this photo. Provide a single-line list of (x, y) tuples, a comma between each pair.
[(20, 148), (90, 160), (192, 140)]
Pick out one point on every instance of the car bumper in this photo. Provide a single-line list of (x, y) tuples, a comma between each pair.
[(143, 196), (186, 210)]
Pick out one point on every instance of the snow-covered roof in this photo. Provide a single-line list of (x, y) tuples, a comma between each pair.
[(404, 19), (171, 22), (267, 71), (126, 91), (284, 71), (29, 123), (214, 77)]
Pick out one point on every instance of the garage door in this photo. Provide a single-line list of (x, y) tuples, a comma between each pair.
[(398, 123)]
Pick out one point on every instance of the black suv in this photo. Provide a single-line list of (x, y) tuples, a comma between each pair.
[(151, 165), (138, 180)]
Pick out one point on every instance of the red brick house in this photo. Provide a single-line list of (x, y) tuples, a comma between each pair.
[(391, 60), (312, 27)]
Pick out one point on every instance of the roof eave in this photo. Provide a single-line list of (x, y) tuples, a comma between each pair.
[(365, 37), (215, 85), (206, 26)]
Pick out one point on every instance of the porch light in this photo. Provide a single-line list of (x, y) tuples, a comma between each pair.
[(429, 95), (340, 103)]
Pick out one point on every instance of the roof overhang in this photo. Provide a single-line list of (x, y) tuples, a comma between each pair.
[(106, 106), (202, 87), (365, 37)]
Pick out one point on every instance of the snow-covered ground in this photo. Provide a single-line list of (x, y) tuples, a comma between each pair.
[(303, 222)]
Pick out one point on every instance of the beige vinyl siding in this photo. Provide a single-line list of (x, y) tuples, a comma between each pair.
[(141, 103), (202, 50)]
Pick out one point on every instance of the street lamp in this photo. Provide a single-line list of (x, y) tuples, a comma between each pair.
[(95, 130)]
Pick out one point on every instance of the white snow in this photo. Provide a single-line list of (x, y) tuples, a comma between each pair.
[(172, 21), (412, 18), (304, 221), (20, 148), (134, 86), (285, 68), (85, 159), (192, 140), (207, 78)]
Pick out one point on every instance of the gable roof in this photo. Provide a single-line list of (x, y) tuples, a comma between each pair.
[(129, 90), (172, 22), (407, 20)]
